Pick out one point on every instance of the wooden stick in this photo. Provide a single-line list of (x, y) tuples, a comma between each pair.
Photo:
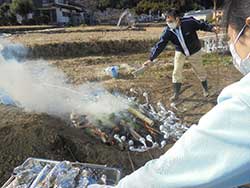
[(135, 135), (131, 162), (150, 155), (141, 116), (150, 129)]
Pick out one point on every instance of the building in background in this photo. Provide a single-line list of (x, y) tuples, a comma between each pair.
[(204, 15), (59, 12), (62, 12)]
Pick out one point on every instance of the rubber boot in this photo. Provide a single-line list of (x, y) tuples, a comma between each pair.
[(205, 88), (177, 89)]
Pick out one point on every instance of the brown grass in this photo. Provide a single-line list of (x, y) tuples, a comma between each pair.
[(80, 49), (81, 36), (24, 26), (13, 29), (83, 41), (76, 42)]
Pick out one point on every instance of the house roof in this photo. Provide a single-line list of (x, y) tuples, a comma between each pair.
[(71, 6)]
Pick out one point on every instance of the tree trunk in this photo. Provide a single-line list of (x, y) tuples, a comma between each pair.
[(215, 7)]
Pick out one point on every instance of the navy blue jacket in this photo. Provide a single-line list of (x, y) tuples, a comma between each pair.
[(189, 26)]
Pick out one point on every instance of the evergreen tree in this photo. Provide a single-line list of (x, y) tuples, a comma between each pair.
[(22, 7)]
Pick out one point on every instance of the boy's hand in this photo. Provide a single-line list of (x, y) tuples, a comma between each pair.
[(147, 63), (216, 29)]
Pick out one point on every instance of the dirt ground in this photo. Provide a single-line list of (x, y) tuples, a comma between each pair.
[(24, 135)]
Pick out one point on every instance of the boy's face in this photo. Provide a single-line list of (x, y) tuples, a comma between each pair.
[(172, 22), (170, 19)]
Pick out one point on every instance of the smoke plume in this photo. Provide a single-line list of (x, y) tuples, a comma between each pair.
[(38, 87)]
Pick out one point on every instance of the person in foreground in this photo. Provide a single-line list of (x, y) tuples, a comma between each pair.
[(216, 152)]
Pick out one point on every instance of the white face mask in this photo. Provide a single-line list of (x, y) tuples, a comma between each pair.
[(172, 25), (243, 65)]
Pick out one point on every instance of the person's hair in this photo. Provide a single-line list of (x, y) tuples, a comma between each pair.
[(173, 13), (235, 13)]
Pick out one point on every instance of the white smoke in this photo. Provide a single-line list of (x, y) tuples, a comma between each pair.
[(39, 87)]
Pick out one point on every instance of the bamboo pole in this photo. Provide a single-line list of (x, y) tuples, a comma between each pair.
[(141, 116)]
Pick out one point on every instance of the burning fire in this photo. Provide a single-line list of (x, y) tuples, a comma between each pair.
[(139, 128)]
